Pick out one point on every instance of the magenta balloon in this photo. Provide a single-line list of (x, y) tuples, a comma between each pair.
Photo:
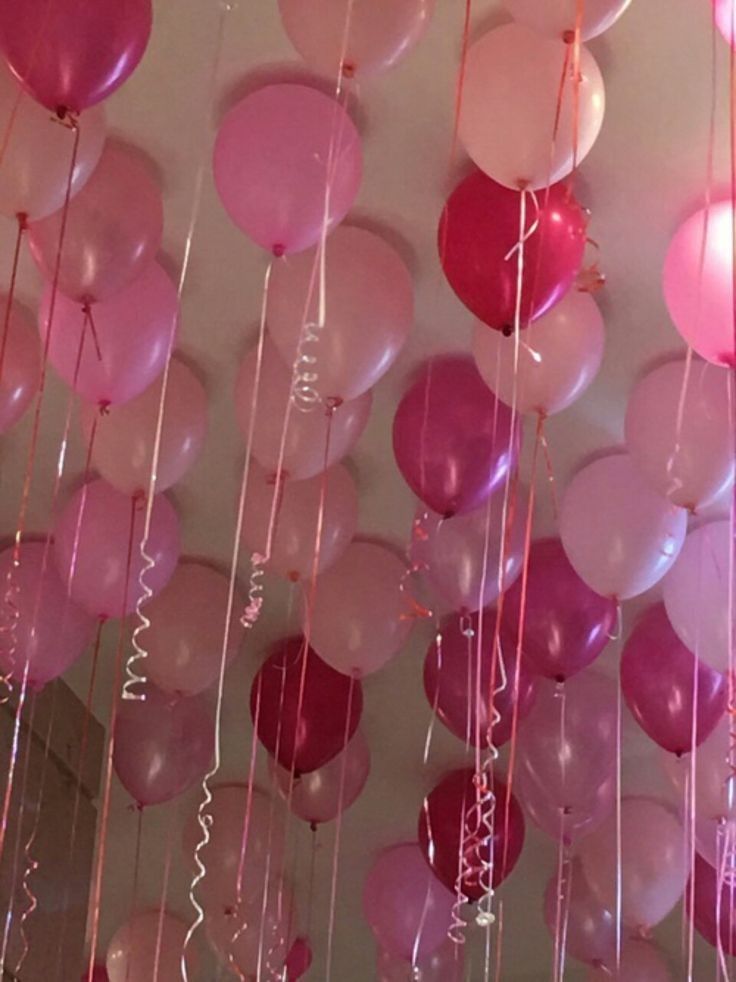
[(255, 937), (163, 745), (306, 433), (95, 533), (149, 946), (590, 929), (49, 632), (134, 332), (451, 677), (619, 535), (20, 365), (667, 689), (299, 960), (452, 439), (559, 18), (322, 795), (566, 625), (287, 163), (408, 909), (712, 915), (641, 961), (447, 964)]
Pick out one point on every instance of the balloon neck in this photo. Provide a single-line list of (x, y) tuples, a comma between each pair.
[(104, 407), (278, 250), (568, 36), (22, 218), (348, 69), (507, 330)]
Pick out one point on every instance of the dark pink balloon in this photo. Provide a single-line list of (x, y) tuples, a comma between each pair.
[(566, 625), (99, 974), (590, 929), (452, 437), (704, 911), (163, 745), (667, 688), (299, 960), (451, 677), (72, 54)]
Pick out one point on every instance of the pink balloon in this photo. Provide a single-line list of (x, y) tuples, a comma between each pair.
[(641, 961), (359, 39), (712, 915), (690, 463), (149, 946), (500, 95), (620, 536), (75, 54), (654, 865), (48, 632), (113, 230), (590, 929), (444, 965), (251, 940), (322, 795), (133, 330), (369, 312), (92, 540), (287, 164), (559, 18), (185, 637), (163, 745), (453, 440), (567, 755), (361, 617), (125, 436), (558, 357), (724, 15), (303, 531), (99, 974), (306, 432), (407, 908), (299, 960), (20, 365)]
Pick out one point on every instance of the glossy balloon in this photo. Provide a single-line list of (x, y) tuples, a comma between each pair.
[(590, 929), (255, 932), (712, 915), (148, 946), (641, 961), (447, 964), (20, 365), (725, 19), (299, 960), (559, 18)]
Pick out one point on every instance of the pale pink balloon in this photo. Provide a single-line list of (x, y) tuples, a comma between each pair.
[(321, 795), (149, 946), (725, 18), (641, 961), (113, 230), (255, 942), (37, 152), (559, 18), (306, 432), (133, 330), (97, 539), (679, 432), (369, 312), (558, 356), (186, 634), (20, 365), (125, 436), (654, 864), (300, 521), (447, 964), (696, 594), (287, 165), (501, 96), (698, 282), (620, 536), (361, 617), (590, 929), (49, 632)]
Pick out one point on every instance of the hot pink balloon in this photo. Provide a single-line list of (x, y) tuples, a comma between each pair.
[(590, 929), (133, 331), (92, 542), (453, 440), (252, 940), (654, 865), (559, 18), (72, 55), (322, 795), (20, 365), (501, 96), (679, 432), (163, 745), (712, 915), (447, 964), (620, 536), (48, 632), (299, 960), (149, 946), (360, 617), (287, 163), (314, 520), (641, 961), (186, 634), (408, 909), (306, 432), (99, 974)]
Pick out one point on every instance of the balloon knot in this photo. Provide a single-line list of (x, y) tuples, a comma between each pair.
[(332, 403), (568, 37), (22, 221), (278, 250), (348, 69), (313, 826), (507, 330), (104, 407)]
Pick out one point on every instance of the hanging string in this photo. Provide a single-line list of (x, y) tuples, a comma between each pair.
[(22, 220), (162, 907), (619, 838), (563, 860)]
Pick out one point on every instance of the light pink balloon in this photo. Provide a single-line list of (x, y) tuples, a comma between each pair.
[(654, 864), (698, 282), (20, 365), (696, 593), (287, 163), (501, 96), (681, 436), (641, 961), (447, 964), (254, 942), (113, 230), (321, 795), (360, 618), (149, 946), (724, 13), (49, 632), (558, 356), (590, 929), (92, 542), (125, 436), (37, 152), (306, 433), (134, 331), (186, 634), (620, 535), (558, 18), (299, 520)]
